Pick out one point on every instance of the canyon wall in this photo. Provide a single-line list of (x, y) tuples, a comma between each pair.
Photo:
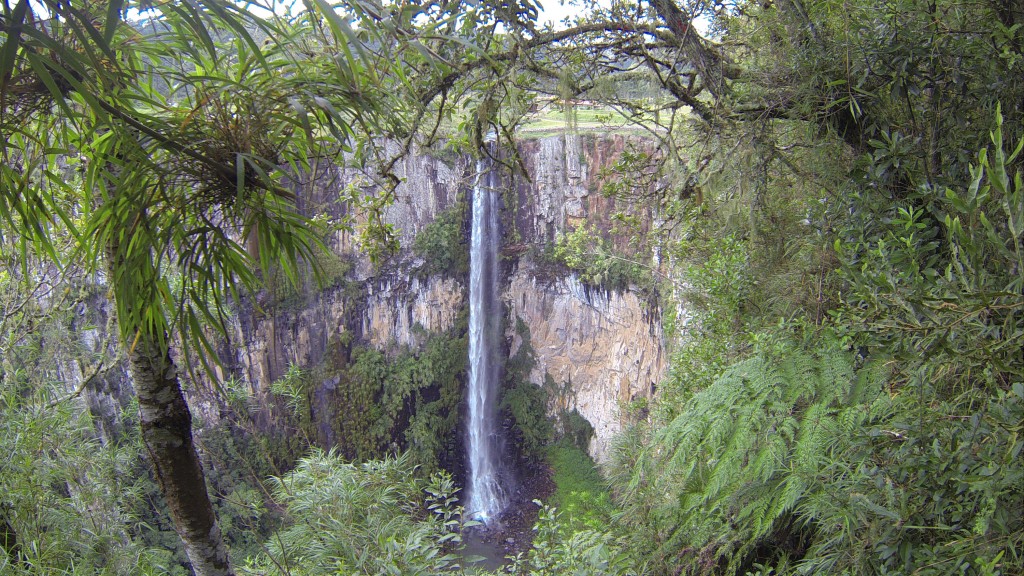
[(602, 349)]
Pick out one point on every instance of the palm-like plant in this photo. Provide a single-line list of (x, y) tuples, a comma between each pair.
[(180, 129)]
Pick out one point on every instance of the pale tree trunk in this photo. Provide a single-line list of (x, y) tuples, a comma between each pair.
[(166, 424)]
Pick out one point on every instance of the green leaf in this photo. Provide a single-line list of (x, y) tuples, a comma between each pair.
[(41, 69), (12, 43), (956, 201), (114, 9)]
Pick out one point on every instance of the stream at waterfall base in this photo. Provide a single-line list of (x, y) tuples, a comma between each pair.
[(512, 533)]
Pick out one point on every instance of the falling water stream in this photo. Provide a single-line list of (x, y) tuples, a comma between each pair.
[(486, 498)]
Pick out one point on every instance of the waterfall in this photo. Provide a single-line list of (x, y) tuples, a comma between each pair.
[(486, 498)]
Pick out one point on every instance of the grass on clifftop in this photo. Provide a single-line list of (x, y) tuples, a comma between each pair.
[(551, 121)]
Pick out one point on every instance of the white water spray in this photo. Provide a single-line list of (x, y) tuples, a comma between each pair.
[(486, 499)]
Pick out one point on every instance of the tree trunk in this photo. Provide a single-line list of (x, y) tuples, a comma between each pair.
[(706, 60), (166, 424), (167, 433)]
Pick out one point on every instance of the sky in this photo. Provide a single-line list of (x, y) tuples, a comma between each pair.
[(553, 11), (556, 11)]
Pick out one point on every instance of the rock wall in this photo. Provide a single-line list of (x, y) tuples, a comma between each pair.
[(401, 312), (566, 175), (388, 307), (603, 348), (391, 313)]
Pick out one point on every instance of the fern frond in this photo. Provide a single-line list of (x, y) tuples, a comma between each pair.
[(749, 452)]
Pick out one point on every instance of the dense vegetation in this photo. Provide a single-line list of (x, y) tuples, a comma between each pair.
[(839, 196)]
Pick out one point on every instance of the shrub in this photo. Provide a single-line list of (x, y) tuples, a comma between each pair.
[(575, 429), (442, 243), (527, 404), (372, 518), (581, 495), (586, 252), (557, 551)]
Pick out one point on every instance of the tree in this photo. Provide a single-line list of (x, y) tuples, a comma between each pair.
[(172, 150), (929, 71), (181, 128)]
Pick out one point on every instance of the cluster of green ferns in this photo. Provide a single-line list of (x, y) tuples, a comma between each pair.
[(796, 462)]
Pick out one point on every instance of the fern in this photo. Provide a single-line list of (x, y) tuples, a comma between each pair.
[(294, 386), (747, 453)]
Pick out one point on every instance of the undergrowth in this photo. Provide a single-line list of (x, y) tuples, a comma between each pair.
[(581, 494)]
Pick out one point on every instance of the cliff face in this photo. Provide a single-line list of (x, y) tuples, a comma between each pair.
[(566, 178), (391, 313), (401, 313), (602, 349)]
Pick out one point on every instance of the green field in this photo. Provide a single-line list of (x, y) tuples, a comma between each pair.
[(551, 120)]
